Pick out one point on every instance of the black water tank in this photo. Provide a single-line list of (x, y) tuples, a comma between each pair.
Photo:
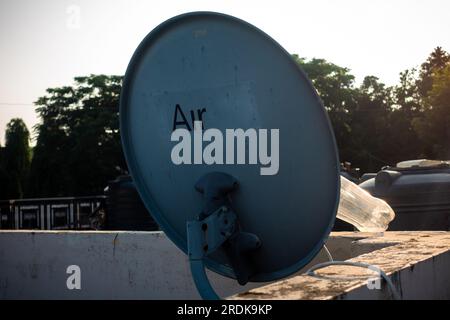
[(420, 196), (7, 220), (124, 207)]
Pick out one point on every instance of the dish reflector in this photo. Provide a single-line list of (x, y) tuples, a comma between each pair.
[(229, 74)]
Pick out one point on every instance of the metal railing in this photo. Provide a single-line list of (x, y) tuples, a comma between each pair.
[(67, 213)]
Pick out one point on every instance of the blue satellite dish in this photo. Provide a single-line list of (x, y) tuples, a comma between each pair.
[(228, 206)]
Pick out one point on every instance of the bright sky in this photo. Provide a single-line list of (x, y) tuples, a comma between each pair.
[(45, 43)]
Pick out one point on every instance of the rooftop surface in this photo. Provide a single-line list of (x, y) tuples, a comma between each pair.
[(418, 264)]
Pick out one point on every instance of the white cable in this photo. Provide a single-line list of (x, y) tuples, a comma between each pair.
[(310, 272), (330, 257)]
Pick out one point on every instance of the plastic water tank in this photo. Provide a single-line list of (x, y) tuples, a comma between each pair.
[(419, 193), (124, 207)]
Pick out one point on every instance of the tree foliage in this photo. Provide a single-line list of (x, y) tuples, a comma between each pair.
[(437, 61), (376, 125), (434, 127), (15, 160), (78, 144)]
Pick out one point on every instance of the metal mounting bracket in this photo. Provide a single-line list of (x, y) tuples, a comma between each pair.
[(217, 227)]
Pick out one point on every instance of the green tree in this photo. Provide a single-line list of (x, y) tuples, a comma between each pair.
[(16, 157), (335, 86), (437, 60), (430, 125), (434, 127), (3, 175), (370, 125), (407, 107), (376, 125), (359, 115), (78, 144)]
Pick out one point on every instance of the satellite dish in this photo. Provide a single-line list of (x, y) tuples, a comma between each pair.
[(254, 212)]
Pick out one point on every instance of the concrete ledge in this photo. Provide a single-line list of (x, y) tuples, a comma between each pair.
[(146, 265), (114, 265), (418, 263)]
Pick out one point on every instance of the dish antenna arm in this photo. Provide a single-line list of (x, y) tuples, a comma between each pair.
[(218, 227)]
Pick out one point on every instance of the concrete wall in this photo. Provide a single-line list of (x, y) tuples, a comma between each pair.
[(114, 265), (147, 265), (427, 280)]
